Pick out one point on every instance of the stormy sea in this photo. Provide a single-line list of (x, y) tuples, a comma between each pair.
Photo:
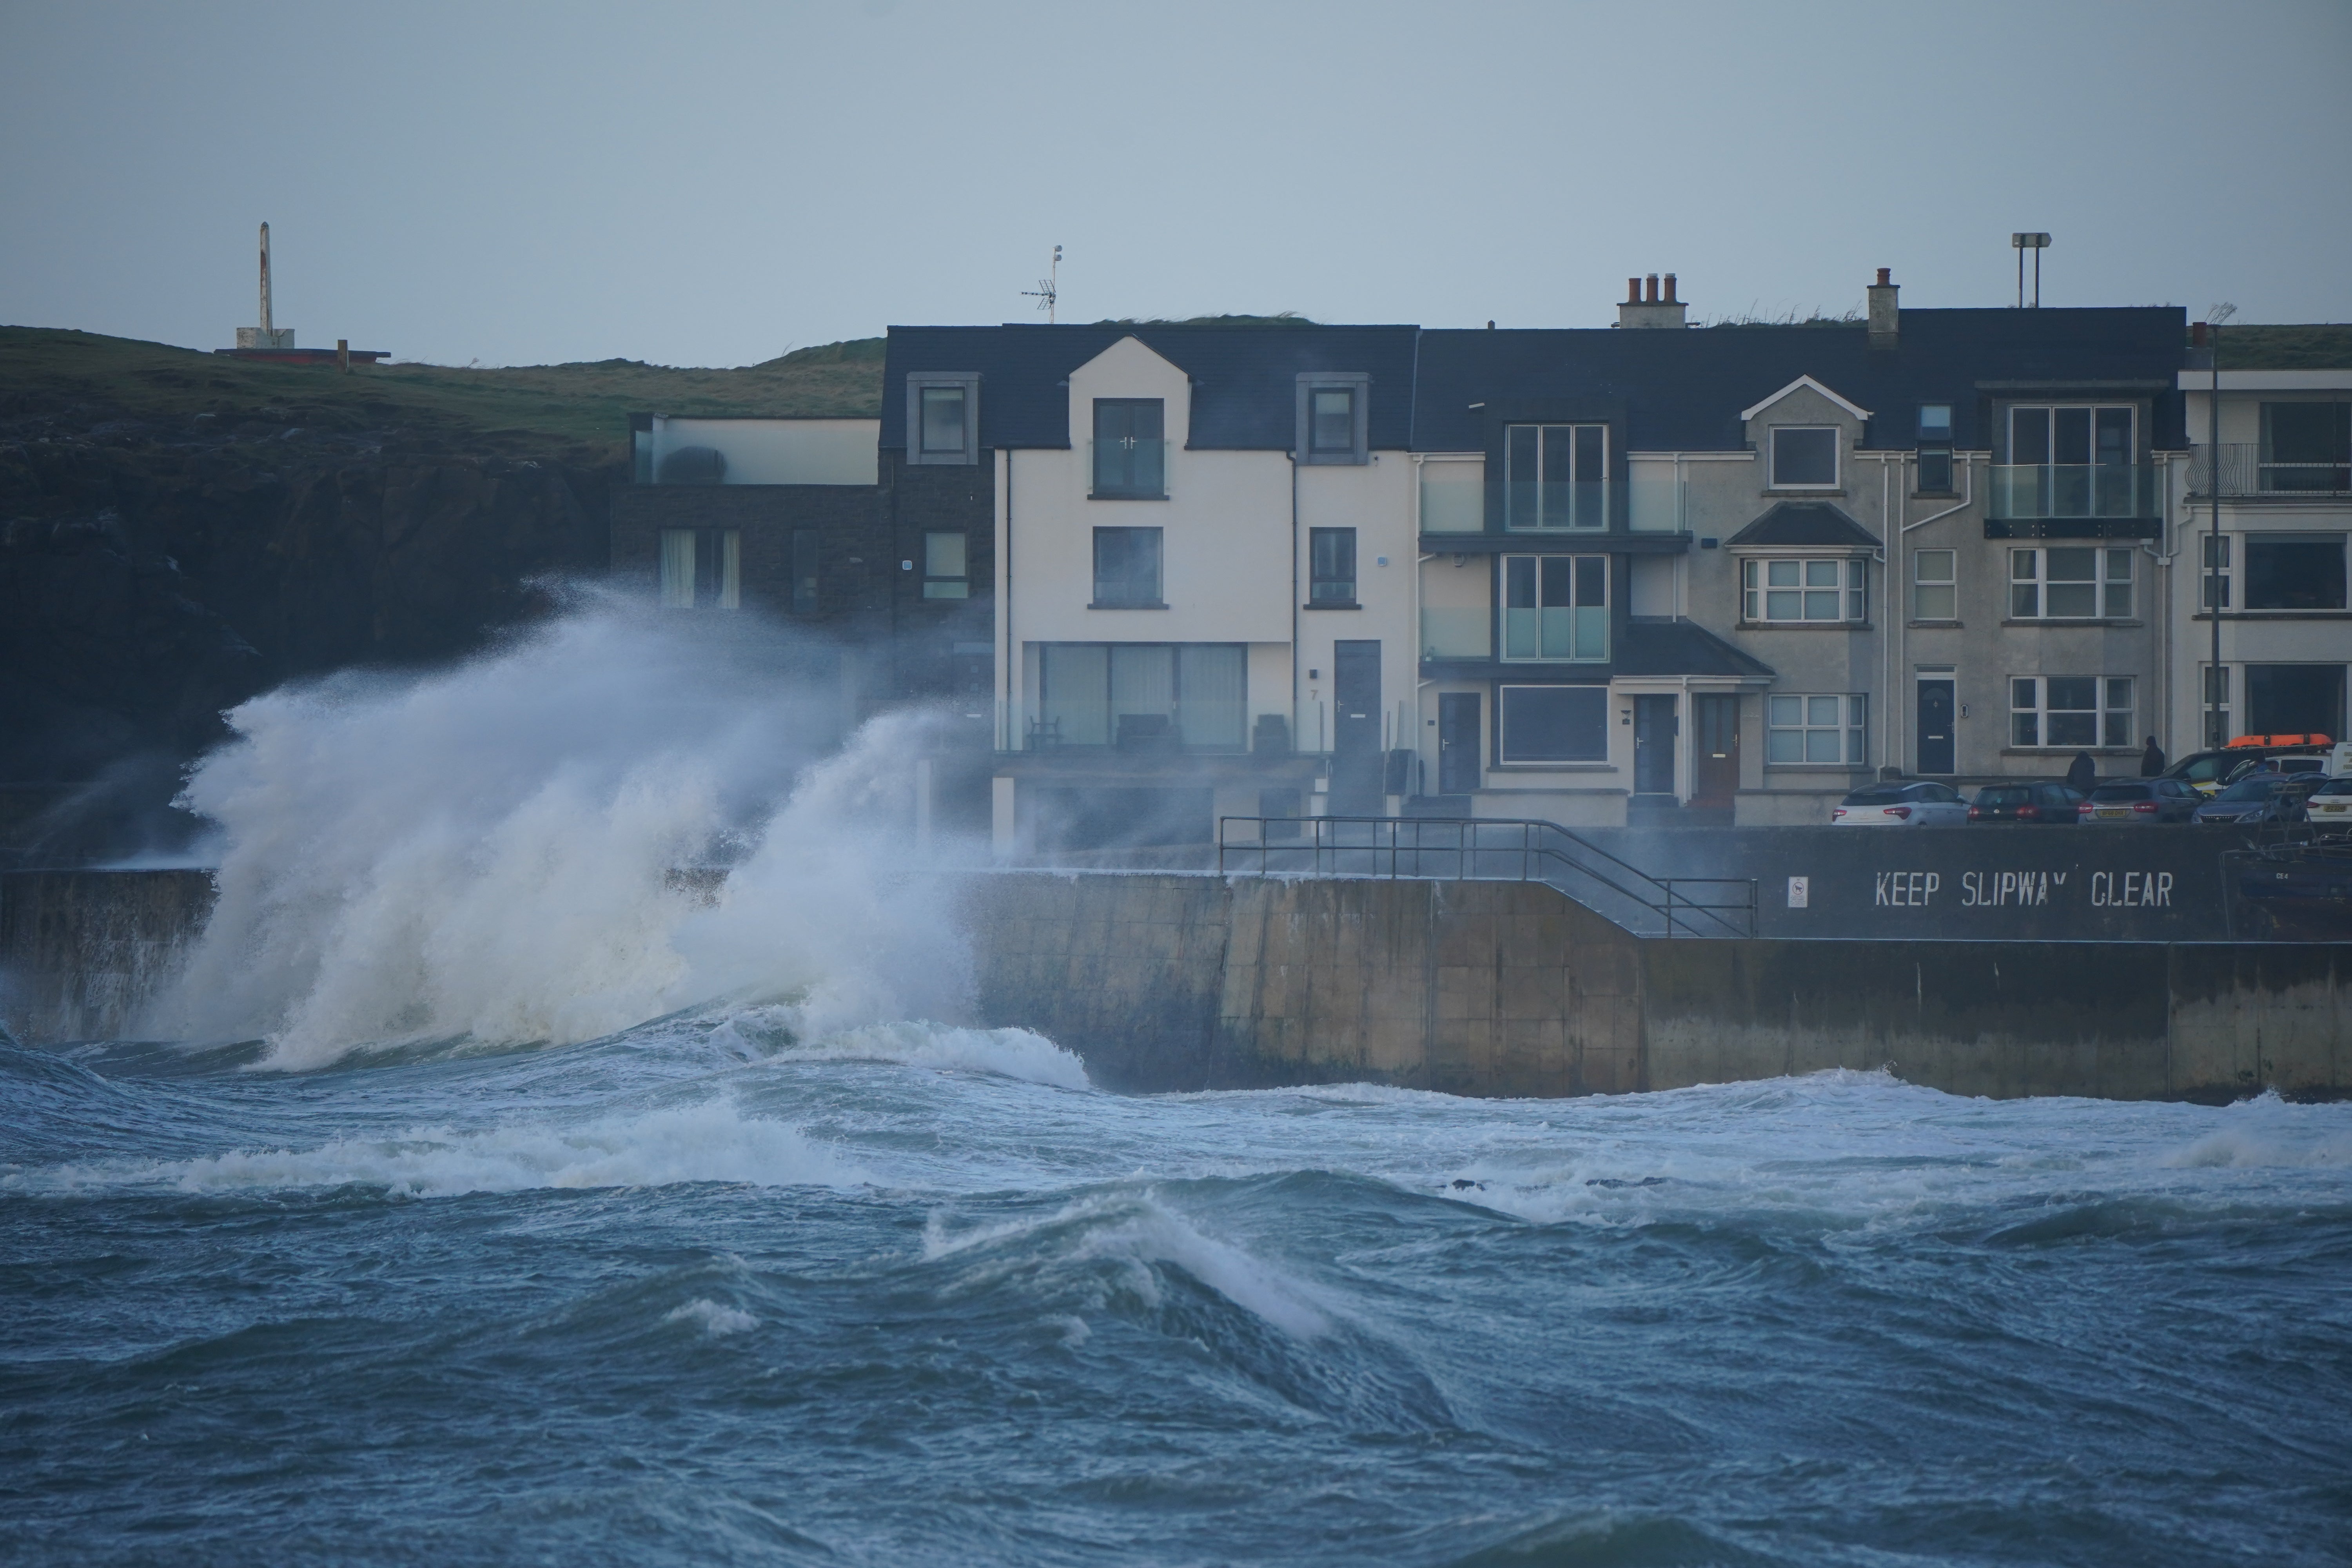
[(488, 1192)]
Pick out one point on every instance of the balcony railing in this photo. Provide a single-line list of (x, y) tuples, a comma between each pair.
[(2036, 491), (1457, 633), (2243, 472)]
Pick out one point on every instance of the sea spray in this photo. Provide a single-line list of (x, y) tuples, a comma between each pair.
[(488, 853)]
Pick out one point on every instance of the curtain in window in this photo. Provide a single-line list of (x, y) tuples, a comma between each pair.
[(1213, 687), (678, 568), (731, 569), (1142, 680)]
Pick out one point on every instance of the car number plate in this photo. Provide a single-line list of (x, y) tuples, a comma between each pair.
[(2112, 811)]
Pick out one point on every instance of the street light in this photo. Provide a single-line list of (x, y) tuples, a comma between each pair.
[(2214, 691)]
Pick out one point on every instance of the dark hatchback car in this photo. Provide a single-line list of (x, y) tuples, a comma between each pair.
[(2052, 804), (2141, 803), (2256, 798)]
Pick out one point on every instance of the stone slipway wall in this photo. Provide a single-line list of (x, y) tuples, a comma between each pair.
[(1186, 982)]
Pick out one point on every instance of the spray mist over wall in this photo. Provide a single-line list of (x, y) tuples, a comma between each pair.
[(490, 853)]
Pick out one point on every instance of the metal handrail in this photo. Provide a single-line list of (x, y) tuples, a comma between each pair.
[(1530, 850)]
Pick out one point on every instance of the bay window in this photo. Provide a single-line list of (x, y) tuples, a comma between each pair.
[(1799, 590)]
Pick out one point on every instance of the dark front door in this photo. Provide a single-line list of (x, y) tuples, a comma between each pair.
[(1654, 724), (1356, 738), (1458, 742), (1715, 767), (1936, 727)]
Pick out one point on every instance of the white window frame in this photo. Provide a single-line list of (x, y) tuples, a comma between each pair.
[(938, 584), (1922, 585), (2029, 595), (2216, 713), (1575, 567), (2108, 719), (1358, 385), (1757, 589), (1772, 457), (1843, 716), (2210, 545), (2050, 411)]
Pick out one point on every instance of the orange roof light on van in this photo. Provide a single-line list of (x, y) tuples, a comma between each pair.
[(2281, 740)]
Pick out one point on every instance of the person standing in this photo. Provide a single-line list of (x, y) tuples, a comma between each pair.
[(2083, 773), (2151, 761)]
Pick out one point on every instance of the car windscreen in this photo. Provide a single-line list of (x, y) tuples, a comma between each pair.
[(2251, 789), (2123, 791)]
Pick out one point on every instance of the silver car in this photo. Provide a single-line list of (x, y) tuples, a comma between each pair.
[(1920, 804)]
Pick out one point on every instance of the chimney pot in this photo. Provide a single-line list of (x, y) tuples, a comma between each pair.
[(1651, 298), (1885, 276), (1670, 291), (1633, 291)]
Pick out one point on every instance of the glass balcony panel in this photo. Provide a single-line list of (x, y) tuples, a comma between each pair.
[(1520, 634), (2043, 490), (1558, 633), (1592, 634), (1456, 633), (1454, 498)]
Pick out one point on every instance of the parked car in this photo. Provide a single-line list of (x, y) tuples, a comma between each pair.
[(2329, 807), (2142, 802), (2257, 797), (1902, 805), (2036, 801)]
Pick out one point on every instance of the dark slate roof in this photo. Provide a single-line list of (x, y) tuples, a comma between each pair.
[(1682, 391), (1244, 379), (1681, 647), (1805, 522)]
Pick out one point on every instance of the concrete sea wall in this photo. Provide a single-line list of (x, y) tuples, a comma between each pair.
[(1174, 982), (1180, 981)]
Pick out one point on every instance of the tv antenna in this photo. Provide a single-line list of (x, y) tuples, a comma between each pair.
[(1046, 293)]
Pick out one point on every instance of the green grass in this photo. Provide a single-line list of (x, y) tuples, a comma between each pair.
[(48, 371), (2319, 345)]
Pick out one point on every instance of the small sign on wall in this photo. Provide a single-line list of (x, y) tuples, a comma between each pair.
[(1800, 892)]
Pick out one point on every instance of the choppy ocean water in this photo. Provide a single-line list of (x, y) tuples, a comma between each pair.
[(692, 1293)]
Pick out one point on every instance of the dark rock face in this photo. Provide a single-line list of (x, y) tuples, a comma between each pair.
[(155, 572)]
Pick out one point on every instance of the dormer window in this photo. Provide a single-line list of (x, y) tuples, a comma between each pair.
[(943, 418), (1804, 458), (1333, 418), (1935, 448)]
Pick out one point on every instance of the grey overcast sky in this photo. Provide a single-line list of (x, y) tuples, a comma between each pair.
[(521, 182)]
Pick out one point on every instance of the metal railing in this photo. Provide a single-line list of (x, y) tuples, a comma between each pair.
[(1493, 849), (2243, 472)]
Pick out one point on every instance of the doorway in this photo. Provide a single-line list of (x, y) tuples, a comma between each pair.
[(1655, 723), (1715, 767), (1458, 742), (1356, 740), (1936, 732)]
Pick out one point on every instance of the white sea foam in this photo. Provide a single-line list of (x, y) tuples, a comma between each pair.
[(778, 1030), (487, 852), (2268, 1131), (710, 1142), (1133, 1230), (714, 1318)]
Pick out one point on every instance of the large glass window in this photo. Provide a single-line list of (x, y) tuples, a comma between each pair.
[(1804, 457), (2073, 711), (1935, 586), (1130, 454), (1555, 476), (1805, 590), (2307, 446), (1555, 723), (1126, 568), (1331, 565), (2294, 571), (1556, 606), (1830, 729), (2070, 460), (2071, 583), (1143, 696)]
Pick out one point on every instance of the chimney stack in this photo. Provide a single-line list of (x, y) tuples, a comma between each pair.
[(1886, 317), (1647, 306)]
